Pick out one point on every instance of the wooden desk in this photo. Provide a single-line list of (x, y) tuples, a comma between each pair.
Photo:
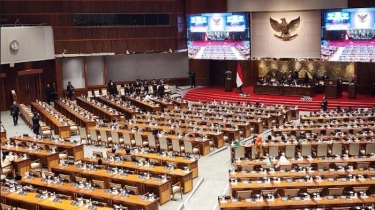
[(97, 110), (179, 102), (133, 201), (161, 188), (284, 90), (180, 161), (261, 205), (21, 165), (28, 201), (75, 150), (127, 112), (164, 104), (3, 135), (62, 130), (143, 105), (47, 158), (177, 175), (73, 115)]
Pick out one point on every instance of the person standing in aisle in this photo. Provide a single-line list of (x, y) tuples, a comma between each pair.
[(36, 126), (14, 112), (192, 78), (70, 89)]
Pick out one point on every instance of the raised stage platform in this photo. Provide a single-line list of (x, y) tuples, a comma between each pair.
[(219, 94)]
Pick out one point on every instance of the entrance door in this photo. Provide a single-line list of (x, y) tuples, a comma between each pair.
[(28, 88)]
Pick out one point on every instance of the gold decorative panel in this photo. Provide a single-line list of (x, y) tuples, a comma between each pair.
[(333, 70)]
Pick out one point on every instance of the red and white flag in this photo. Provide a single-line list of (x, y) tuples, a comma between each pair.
[(239, 78)]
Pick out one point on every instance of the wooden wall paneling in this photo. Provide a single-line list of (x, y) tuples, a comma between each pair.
[(85, 71), (105, 71), (59, 77), (3, 96), (202, 71), (365, 77), (205, 6), (360, 3)]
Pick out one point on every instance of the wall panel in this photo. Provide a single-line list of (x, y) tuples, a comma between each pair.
[(95, 70), (148, 66)]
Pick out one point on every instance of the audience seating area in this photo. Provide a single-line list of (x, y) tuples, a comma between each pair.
[(303, 166)]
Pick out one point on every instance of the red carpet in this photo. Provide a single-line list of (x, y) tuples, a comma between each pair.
[(218, 94)]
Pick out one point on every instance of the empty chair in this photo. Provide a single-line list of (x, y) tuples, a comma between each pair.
[(74, 129), (363, 165), (370, 148), (314, 190), (95, 138), (290, 151), (336, 148), (36, 165), (360, 189), (89, 94), (118, 87), (176, 147), (132, 190), (322, 150), (244, 194), (139, 142), (189, 149), (104, 91), (291, 192), (247, 167), (116, 139), (98, 154), (306, 150), (273, 151), (105, 139), (63, 155), (323, 166), (354, 149), (83, 135), (46, 133), (6, 170), (128, 142), (122, 91), (239, 152), (65, 178), (96, 93), (164, 146), (268, 192), (152, 144), (116, 185), (49, 174), (177, 188), (285, 167), (80, 179), (337, 191)]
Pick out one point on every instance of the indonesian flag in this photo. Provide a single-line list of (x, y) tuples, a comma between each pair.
[(239, 78)]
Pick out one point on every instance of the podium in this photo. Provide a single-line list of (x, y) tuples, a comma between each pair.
[(331, 88), (351, 91), (228, 85)]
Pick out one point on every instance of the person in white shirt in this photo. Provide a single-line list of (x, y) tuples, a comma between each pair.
[(6, 158), (283, 160)]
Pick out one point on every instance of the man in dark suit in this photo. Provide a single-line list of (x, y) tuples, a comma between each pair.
[(14, 112), (49, 94), (70, 89), (324, 104), (192, 78)]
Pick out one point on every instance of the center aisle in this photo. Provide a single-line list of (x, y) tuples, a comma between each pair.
[(214, 169)]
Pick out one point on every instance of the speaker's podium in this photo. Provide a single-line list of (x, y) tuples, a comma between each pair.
[(331, 88), (228, 85)]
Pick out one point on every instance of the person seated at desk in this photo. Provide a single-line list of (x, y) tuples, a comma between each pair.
[(2, 128), (283, 161), (294, 82), (6, 159)]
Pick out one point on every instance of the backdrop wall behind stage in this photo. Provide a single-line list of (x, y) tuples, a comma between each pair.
[(333, 70)]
